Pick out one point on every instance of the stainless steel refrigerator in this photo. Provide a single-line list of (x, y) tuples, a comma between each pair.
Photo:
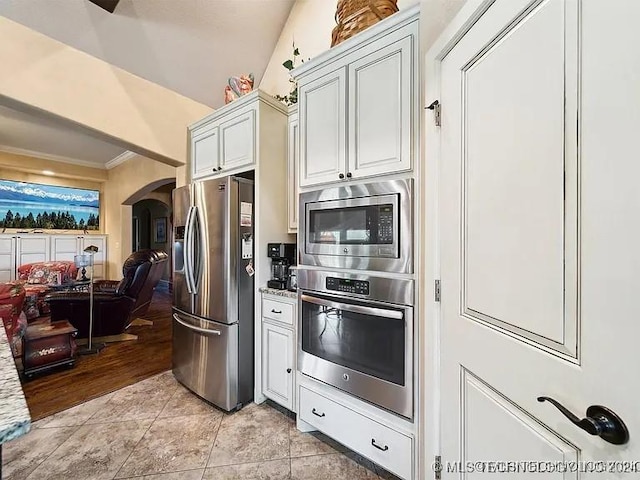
[(213, 290)]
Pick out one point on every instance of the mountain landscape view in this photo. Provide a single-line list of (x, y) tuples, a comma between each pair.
[(36, 206)]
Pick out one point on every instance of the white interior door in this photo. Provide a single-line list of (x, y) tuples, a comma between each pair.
[(539, 207)]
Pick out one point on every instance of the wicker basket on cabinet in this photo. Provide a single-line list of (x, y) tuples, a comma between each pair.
[(353, 16)]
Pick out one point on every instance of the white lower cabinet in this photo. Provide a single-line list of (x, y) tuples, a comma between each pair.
[(32, 248), (278, 364), (278, 360), (66, 247), (7, 258), (385, 446), (20, 249)]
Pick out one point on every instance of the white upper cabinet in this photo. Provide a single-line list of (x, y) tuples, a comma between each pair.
[(205, 152), (237, 141), (226, 142), (322, 128), (380, 111), (359, 104)]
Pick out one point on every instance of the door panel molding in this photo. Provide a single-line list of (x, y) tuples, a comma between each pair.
[(490, 421), (547, 193)]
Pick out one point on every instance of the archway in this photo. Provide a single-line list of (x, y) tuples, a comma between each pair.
[(151, 220)]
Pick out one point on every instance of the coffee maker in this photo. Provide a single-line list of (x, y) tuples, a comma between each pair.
[(282, 256)]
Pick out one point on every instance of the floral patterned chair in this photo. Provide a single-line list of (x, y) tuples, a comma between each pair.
[(12, 297), (39, 279)]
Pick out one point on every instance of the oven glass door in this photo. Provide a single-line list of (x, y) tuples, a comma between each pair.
[(367, 339)]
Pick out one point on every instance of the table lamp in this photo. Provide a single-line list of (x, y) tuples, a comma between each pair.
[(82, 261), (91, 348)]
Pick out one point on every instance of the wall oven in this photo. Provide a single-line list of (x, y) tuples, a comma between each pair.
[(363, 226), (355, 333)]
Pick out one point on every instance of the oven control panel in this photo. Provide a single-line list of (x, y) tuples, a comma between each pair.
[(360, 287)]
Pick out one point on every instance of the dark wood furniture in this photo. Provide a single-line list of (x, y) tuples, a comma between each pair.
[(47, 346)]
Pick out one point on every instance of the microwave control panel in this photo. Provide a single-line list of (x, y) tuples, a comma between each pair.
[(385, 224), (360, 287)]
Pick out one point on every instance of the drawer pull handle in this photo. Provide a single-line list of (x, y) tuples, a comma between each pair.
[(313, 410), (273, 310), (384, 449), (288, 370)]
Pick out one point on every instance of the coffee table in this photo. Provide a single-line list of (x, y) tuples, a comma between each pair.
[(46, 346)]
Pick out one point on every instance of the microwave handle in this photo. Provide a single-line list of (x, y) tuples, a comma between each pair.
[(377, 312)]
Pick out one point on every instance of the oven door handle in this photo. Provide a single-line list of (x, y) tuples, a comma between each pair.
[(377, 312)]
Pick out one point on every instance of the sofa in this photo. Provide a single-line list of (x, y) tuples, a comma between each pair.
[(114, 303), (39, 279), (12, 296)]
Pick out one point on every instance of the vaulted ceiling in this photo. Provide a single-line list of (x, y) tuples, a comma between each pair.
[(189, 46)]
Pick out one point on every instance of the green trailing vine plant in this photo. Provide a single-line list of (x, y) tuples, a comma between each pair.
[(292, 97)]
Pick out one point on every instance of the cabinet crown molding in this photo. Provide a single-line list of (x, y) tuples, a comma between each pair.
[(383, 27), (237, 104)]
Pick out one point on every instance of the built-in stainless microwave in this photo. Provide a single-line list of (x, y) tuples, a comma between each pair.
[(363, 226)]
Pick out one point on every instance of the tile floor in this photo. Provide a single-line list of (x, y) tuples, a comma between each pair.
[(158, 430)]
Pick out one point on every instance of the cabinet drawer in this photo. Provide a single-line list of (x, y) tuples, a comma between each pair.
[(280, 311), (384, 446)]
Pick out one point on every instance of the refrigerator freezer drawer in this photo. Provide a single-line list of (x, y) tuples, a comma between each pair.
[(205, 358)]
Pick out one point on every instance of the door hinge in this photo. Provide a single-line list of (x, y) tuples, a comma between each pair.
[(437, 111), (436, 290), (437, 467)]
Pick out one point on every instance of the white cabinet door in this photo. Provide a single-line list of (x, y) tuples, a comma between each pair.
[(7, 258), (237, 141), (65, 247), (204, 152), (32, 248), (380, 111), (322, 129), (99, 259), (293, 159), (278, 364)]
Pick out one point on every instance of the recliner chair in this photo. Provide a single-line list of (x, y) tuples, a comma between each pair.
[(115, 304)]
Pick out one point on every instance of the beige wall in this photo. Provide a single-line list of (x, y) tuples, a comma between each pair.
[(309, 25), (35, 166), (435, 15), (42, 74), (124, 181)]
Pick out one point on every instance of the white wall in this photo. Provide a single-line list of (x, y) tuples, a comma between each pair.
[(309, 25)]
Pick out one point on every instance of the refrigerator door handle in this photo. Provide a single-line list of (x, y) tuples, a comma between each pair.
[(196, 267), (197, 329), (188, 254)]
